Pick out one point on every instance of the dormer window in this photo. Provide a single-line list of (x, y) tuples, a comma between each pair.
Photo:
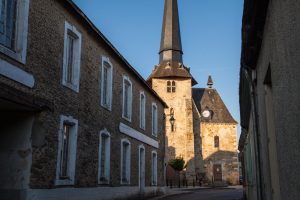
[(171, 86)]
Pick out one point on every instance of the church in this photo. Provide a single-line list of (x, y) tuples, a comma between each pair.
[(199, 127)]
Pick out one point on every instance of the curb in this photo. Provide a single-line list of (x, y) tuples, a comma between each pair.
[(177, 191)]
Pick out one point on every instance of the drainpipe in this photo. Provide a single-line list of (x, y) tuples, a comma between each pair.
[(246, 70)]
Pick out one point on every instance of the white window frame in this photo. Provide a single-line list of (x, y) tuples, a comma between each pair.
[(76, 60), (153, 168), (109, 83), (128, 161), (172, 87), (72, 151), (21, 33), (142, 110), (154, 120), (142, 169), (107, 157), (128, 118)]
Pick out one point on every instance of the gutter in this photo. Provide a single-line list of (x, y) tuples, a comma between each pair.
[(254, 114)]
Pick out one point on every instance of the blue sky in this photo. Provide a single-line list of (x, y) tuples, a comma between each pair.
[(210, 31)]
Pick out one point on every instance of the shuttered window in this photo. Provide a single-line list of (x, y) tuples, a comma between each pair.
[(154, 119), (154, 169), (142, 110), (72, 56), (127, 98), (67, 144), (104, 158), (8, 9), (125, 161)]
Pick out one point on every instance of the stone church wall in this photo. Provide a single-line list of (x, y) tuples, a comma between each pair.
[(180, 142), (224, 155)]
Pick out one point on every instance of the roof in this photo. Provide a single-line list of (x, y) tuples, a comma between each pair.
[(88, 22), (254, 18), (171, 69), (170, 45), (170, 54), (209, 99)]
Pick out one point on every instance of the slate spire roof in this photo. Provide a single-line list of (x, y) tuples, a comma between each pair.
[(170, 45), (170, 53)]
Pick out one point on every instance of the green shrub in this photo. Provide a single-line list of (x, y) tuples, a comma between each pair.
[(177, 163)]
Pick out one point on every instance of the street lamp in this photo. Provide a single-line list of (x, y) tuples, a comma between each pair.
[(172, 119)]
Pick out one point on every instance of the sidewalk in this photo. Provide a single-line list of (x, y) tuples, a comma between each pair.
[(176, 191), (190, 189)]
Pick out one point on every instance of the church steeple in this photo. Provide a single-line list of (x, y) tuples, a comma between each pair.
[(170, 45), (170, 54)]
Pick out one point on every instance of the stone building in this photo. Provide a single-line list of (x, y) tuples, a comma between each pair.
[(269, 99), (218, 136), (68, 128), (196, 117)]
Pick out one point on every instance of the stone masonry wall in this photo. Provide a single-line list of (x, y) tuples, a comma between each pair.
[(180, 142), (225, 154), (44, 61)]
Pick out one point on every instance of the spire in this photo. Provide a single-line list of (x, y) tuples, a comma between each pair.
[(170, 46), (170, 54), (210, 82)]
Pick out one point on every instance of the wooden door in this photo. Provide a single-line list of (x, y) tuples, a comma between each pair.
[(217, 172)]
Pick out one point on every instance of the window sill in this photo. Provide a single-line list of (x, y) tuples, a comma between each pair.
[(14, 55), (106, 107), (154, 135), (125, 184), (64, 182), (15, 73), (102, 183), (127, 119), (71, 86)]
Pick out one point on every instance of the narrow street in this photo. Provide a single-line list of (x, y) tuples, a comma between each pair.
[(210, 194)]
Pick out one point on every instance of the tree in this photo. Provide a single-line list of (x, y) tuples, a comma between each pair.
[(177, 163)]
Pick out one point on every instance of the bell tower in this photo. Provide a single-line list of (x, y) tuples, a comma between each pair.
[(172, 80)]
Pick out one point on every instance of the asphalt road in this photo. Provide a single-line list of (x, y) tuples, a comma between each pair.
[(209, 194)]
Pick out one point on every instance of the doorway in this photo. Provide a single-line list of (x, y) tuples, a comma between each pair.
[(217, 172), (15, 153)]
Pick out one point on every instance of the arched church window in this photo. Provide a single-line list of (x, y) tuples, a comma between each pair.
[(171, 86), (217, 141)]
